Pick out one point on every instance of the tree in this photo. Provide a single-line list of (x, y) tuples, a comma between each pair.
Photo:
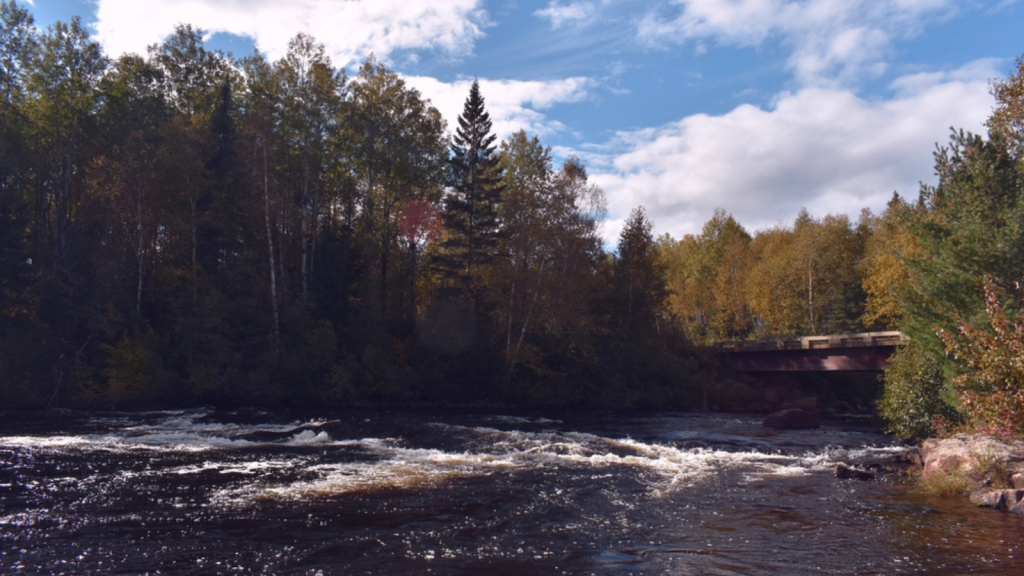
[(883, 270), (259, 136), (639, 278), (912, 399), (548, 251), (191, 79), (805, 277), (1007, 119), (991, 390), (472, 205), (396, 153), (705, 280), (311, 95), (61, 111), (17, 48), (967, 227)]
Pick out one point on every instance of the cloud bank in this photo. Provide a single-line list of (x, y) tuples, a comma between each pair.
[(350, 29), (824, 149)]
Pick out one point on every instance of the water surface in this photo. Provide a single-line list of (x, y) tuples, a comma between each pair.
[(199, 492)]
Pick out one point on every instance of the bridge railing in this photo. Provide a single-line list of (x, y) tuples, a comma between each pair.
[(888, 338)]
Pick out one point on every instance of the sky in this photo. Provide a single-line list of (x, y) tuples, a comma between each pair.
[(757, 107)]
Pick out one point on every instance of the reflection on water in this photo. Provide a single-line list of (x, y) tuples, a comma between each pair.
[(206, 493)]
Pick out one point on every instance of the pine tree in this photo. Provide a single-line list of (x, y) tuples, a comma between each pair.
[(639, 277), (471, 208)]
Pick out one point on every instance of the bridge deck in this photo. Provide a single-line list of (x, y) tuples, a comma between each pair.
[(866, 351)]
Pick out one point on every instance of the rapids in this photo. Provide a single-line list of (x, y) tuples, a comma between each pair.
[(202, 492)]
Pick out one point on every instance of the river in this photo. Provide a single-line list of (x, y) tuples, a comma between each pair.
[(203, 492)]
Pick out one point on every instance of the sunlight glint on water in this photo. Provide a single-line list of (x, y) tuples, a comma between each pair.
[(400, 493)]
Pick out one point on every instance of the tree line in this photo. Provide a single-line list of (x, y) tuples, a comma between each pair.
[(946, 269), (185, 227)]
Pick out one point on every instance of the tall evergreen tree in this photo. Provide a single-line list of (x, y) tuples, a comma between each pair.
[(471, 209), (639, 277)]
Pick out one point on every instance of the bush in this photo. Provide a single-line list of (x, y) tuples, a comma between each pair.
[(912, 400), (991, 392)]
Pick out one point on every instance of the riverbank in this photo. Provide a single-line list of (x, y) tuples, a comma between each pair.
[(987, 470)]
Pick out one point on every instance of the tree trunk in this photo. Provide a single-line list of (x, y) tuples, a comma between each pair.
[(270, 247), (526, 321), (139, 252), (195, 273), (305, 228), (810, 294)]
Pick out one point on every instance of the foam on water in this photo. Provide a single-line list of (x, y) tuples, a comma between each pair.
[(173, 431), (668, 468), (383, 463)]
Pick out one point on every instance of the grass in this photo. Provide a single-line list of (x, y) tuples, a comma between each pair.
[(956, 482)]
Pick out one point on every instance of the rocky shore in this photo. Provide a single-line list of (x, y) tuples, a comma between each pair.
[(989, 469)]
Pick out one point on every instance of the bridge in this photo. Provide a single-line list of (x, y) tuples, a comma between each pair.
[(863, 352)]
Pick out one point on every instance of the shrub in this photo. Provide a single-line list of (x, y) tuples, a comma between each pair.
[(911, 401), (991, 391)]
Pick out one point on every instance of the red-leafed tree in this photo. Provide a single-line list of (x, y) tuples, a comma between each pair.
[(419, 223), (991, 392)]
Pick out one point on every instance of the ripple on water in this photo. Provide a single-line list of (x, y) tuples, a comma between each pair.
[(404, 494)]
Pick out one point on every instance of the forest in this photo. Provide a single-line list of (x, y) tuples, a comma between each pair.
[(183, 227)]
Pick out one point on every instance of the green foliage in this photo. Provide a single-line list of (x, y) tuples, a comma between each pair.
[(639, 278), (472, 208), (968, 227), (177, 228), (911, 401)]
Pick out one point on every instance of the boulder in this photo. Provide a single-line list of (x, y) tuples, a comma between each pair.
[(1018, 481), (844, 472), (968, 451), (1017, 508), (791, 419), (999, 499)]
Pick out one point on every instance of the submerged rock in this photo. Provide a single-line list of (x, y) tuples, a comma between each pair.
[(792, 419), (844, 472)]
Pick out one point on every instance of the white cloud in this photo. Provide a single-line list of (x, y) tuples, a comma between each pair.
[(560, 14), (513, 104), (833, 42), (350, 29), (823, 149)]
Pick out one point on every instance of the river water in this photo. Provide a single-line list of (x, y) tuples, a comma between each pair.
[(200, 492)]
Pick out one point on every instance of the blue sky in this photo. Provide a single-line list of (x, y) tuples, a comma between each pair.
[(759, 107)]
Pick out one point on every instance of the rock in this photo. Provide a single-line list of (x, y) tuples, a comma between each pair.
[(969, 451), (1017, 508), (1018, 480), (989, 499), (844, 472), (998, 499), (792, 419), (914, 458)]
